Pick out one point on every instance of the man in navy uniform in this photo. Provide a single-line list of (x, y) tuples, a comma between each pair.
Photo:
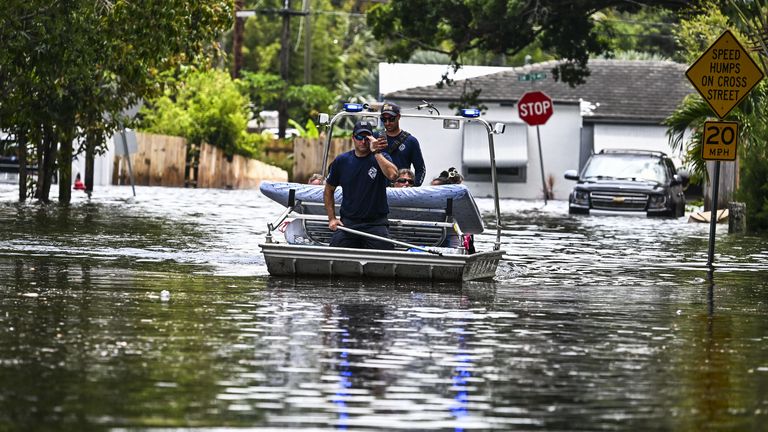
[(402, 146), (363, 174)]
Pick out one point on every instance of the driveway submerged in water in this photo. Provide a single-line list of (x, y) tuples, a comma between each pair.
[(593, 322)]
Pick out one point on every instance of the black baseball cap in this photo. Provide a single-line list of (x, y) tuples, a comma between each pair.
[(363, 126), (390, 108)]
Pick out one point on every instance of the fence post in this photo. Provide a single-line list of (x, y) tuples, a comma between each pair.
[(737, 218)]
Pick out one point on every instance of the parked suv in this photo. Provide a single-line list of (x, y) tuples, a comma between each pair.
[(628, 180)]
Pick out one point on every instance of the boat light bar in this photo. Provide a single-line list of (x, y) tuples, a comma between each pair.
[(353, 107), (470, 112)]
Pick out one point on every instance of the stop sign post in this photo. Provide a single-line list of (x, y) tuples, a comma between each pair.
[(535, 108)]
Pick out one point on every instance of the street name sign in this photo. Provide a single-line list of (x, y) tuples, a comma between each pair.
[(535, 108), (724, 74), (533, 76), (719, 140)]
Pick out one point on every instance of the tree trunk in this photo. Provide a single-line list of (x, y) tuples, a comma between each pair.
[(22, 155), (90, 149), (40, 167), (47, 165), (65, 169)]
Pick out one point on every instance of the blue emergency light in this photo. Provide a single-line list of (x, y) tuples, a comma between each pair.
[(470, 112), (353, 107)]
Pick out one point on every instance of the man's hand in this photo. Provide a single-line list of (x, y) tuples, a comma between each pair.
[(333, 223), (380, 143)]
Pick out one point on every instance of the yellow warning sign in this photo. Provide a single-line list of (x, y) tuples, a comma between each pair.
[(724, 74), (719, 140)]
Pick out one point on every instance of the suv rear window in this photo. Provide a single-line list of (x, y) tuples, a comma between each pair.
[(628, 167)]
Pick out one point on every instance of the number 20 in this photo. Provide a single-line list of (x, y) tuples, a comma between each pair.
[(718, 135)]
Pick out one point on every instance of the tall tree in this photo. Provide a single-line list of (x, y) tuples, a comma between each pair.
[(69, 69)]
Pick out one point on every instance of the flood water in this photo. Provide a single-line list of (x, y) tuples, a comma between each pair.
[(593, 323)]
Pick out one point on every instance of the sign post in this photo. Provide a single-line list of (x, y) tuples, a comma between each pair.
[(128, 147), (724, 74), (535, 108)]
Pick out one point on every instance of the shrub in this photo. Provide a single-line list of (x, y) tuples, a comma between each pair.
[(204, 106)]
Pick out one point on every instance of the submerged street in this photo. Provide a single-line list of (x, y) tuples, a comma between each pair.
[(158, 312)]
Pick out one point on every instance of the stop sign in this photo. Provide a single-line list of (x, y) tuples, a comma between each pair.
[(535, 108)]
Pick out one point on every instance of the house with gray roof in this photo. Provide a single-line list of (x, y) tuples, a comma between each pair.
[(621, 105)]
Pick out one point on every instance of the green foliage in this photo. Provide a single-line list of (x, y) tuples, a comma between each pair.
[(565, 30), (343, 56), (262, 34), (308, 100), (308, 131), (696, 34), (754, 187), (205, 106), (691, 114), (70, 69), (753, 159), (647, 30), (304, 101)]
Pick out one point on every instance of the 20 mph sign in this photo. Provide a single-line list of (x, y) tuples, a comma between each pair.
[(535, 108)]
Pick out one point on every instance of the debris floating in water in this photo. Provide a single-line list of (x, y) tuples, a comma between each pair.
[(165, 295)]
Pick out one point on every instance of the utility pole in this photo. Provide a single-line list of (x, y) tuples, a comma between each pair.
[(237, 40), (307, 43), (285, 50), (285, 57)]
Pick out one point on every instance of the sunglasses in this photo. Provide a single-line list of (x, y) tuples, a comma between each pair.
[(388, 119), (404, 180), (361, 137)]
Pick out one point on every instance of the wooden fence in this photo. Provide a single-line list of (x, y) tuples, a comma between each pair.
[(161, 160), (308, 155), (215, 171), (729, 182)]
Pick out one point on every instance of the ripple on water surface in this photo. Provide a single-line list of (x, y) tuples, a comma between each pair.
[(156, 311)]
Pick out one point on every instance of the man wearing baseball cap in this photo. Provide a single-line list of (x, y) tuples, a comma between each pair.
[(401, 145), (363, 174)]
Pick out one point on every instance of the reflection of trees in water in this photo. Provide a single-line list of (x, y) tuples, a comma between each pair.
[(39, 350), (91, 343)]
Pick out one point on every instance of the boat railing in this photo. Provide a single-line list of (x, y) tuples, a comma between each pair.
[(425, 233), (468, 116)]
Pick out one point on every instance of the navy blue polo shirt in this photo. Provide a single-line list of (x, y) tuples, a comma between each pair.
[(364, 185), (406, 153)]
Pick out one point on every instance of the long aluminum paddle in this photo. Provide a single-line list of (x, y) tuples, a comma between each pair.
[(397, 242)]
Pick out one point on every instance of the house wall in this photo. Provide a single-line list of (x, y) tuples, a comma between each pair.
[(102, 165), (560, 142), (632, 136)]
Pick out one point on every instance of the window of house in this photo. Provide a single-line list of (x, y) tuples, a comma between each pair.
[(510, 149)]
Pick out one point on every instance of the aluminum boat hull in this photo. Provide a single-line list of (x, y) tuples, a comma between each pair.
[(297, 260)]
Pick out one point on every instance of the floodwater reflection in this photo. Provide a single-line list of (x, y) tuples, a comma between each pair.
[(593, 323)]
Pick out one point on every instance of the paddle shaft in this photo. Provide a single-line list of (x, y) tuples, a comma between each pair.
[(374, 236)]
